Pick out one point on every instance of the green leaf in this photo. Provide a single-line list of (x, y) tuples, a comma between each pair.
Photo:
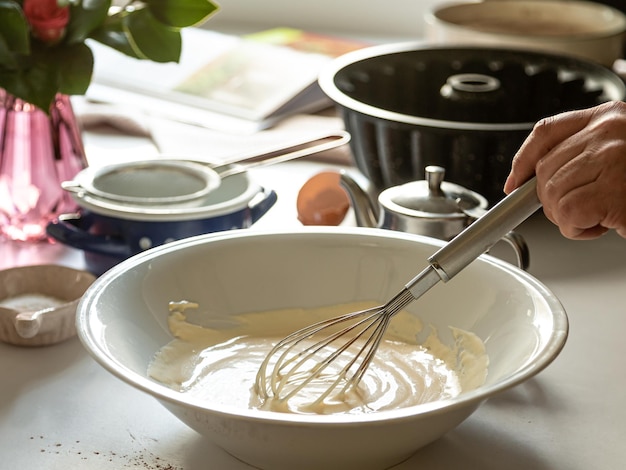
[(114, 35), (41, 76), (14, 27), (85, 18), (7, 58), (32, 85), (144, 29), (181, 13), (75, 67), (150, 39), (12, 82)]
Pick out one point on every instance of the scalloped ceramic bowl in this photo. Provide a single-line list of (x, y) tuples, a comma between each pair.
[(38, 303), (521, 323)]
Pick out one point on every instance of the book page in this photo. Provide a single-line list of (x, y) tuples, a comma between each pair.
[(257, 79)]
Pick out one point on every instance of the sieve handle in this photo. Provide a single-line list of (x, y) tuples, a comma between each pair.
[(305, 148), (486, 231)]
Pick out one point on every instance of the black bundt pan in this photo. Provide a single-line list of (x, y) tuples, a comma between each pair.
[(390, 98)]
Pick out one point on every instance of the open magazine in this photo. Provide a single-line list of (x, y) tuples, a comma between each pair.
[(222, 81)]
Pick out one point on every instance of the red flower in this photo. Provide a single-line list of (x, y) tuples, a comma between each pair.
[(47, 19)]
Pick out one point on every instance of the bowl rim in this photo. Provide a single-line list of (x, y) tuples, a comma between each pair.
[(326, 81), (617, 25), (91, 343)]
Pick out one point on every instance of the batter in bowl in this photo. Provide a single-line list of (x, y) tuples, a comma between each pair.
[(218, 362)]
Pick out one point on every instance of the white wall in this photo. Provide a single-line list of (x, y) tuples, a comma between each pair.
[(365, 18)]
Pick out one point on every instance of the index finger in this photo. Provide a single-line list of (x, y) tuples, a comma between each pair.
[(546, 135)]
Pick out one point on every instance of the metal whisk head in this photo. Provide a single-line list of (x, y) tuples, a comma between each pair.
[(348, 343), (328, 356)]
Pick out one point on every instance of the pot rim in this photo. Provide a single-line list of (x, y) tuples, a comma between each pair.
[(328, 74)]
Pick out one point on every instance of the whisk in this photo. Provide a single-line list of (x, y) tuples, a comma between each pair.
[(333, 355)]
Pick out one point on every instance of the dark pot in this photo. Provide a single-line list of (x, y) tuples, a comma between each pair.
[(110, 232), (467, 109)]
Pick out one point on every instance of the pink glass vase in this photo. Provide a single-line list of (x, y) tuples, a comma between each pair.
[(38, 151)]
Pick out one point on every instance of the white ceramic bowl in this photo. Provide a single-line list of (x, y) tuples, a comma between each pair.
[(585, 29), (521, 323)]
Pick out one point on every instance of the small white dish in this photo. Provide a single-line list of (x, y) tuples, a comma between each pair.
[(38, 303)]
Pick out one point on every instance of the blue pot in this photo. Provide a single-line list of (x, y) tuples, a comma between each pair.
[(109, 232)]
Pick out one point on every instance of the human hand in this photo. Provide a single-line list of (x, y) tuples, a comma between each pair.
[(579, 158)]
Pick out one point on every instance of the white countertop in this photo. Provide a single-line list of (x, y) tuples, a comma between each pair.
[(61, 410)]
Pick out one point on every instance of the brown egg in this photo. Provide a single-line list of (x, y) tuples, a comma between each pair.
[(322, 200)]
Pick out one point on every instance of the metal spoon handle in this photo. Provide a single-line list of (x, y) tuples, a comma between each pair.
[(486, 231), (301, 149)]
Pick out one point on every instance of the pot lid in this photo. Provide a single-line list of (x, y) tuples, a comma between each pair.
[(433, 196)]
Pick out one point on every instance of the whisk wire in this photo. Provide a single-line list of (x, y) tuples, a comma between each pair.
[(367, 351), (294, 374), (291, 341), (386, 312), (291, 373), (372, 321)]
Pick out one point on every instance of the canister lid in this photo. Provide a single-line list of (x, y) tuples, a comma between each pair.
[(435, 196)]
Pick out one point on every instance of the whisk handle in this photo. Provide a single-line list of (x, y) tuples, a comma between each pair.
[(486, 231)]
